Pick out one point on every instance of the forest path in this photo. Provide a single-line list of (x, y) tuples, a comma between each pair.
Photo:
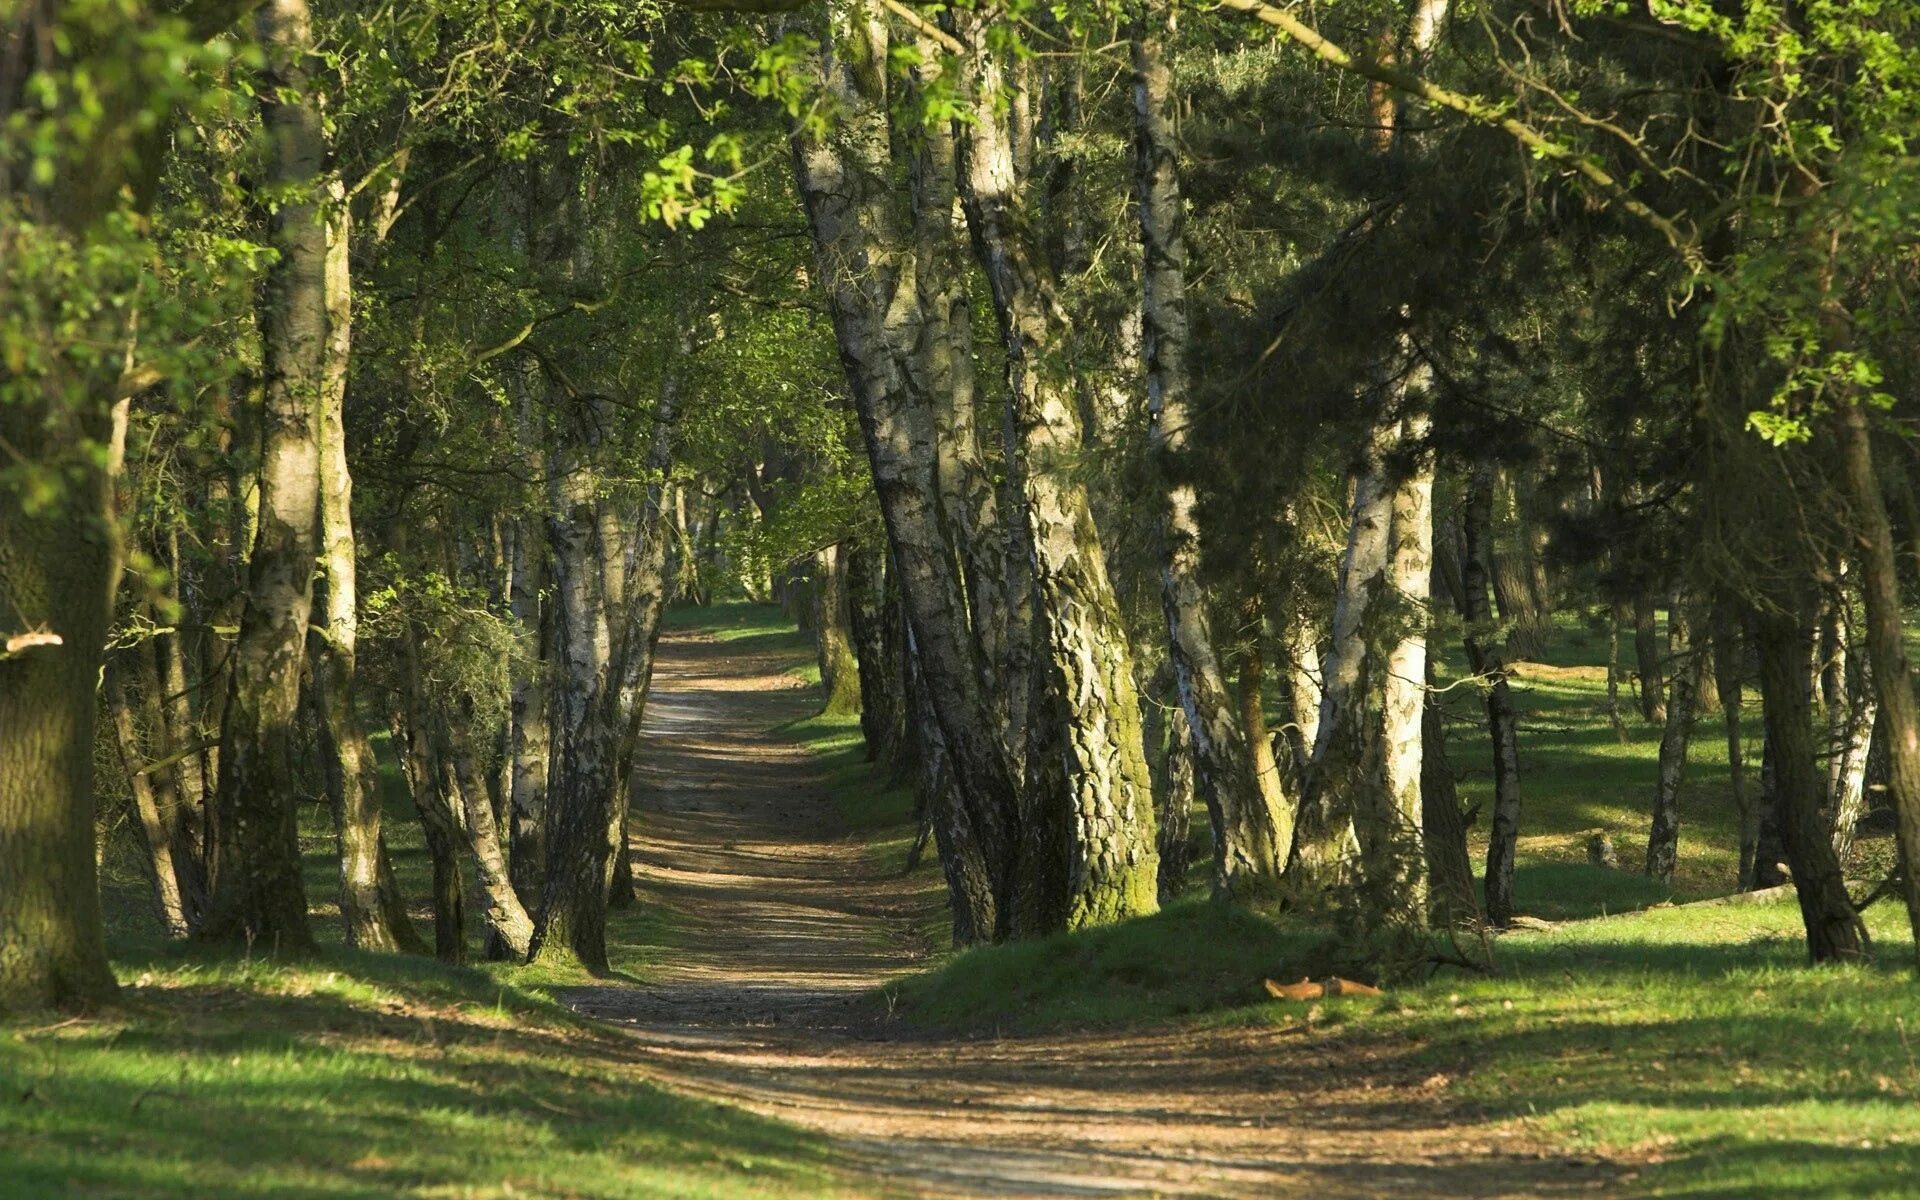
[(784, 924)]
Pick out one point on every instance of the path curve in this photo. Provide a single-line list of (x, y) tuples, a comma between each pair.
[(785, 926)]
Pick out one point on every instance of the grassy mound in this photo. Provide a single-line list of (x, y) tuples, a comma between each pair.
[(1190, 958)]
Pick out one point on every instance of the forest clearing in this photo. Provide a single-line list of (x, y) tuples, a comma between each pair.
[(791, 598)]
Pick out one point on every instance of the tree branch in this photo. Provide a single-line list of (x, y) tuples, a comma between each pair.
[(1474, 108)]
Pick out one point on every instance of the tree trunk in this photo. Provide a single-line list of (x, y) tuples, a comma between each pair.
[(581, 806), (1834, 930), (1646, 652), (872, 614), (645, 603), (1443, 825), (833, 633), (1886, 641), (872, 296), (150, 804), (441, 827), (1390, 836), (352, 773), (1487, 656), (1081, 650), (1252, 823), (256, 889), (1663, 840), (970, 895), (1325, 841), (1728, 676), (58, 570), (509, 927), (527, 738)]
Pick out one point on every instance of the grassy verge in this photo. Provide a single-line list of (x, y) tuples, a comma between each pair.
[(362, 1076)]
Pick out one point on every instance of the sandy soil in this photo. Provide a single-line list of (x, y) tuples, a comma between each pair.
[(787, 928)]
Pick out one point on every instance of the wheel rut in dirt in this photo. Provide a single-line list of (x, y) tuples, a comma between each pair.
[(786, 928)]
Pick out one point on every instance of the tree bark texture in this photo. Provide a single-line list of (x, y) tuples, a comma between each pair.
[(1253, 825), (256, 889)]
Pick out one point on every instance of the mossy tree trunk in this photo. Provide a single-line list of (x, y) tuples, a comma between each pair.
[(1100, 793), (867, 267), (833, 633)]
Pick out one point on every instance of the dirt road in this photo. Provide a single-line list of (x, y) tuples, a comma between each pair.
[(785, 926)]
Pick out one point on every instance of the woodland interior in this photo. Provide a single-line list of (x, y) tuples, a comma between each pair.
[(804, 598)]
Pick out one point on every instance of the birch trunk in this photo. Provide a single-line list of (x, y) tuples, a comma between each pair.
[(256, 889), (1391, 838), (581, 810), (352, 773), (1253, 824), (871, 287), (1486, 655), (1663, 839), (1886, 641), (1105, 803)]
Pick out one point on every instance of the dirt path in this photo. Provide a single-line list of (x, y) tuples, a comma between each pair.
[(786, 925)]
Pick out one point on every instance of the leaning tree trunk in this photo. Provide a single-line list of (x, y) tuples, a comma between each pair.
[(1252, 826), (509, 927), (352, 773), (256, 889), (438, 822), (1886, 642), (1104, 799), (1834, 929), (1663, 838), (871, 288), (644, 604), (1487, 656), (151, 804), (970, 896)]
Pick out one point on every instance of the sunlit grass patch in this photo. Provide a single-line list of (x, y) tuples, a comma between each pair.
[(362, 1076)]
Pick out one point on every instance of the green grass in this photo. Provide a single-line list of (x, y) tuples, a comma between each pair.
[(362, 1076), (1192, 957)]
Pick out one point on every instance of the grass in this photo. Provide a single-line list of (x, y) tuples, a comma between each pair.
[(362, 1076), (358, 1075), (1694, 1039)]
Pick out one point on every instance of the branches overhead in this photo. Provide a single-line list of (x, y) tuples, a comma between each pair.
[(1677, 233)]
